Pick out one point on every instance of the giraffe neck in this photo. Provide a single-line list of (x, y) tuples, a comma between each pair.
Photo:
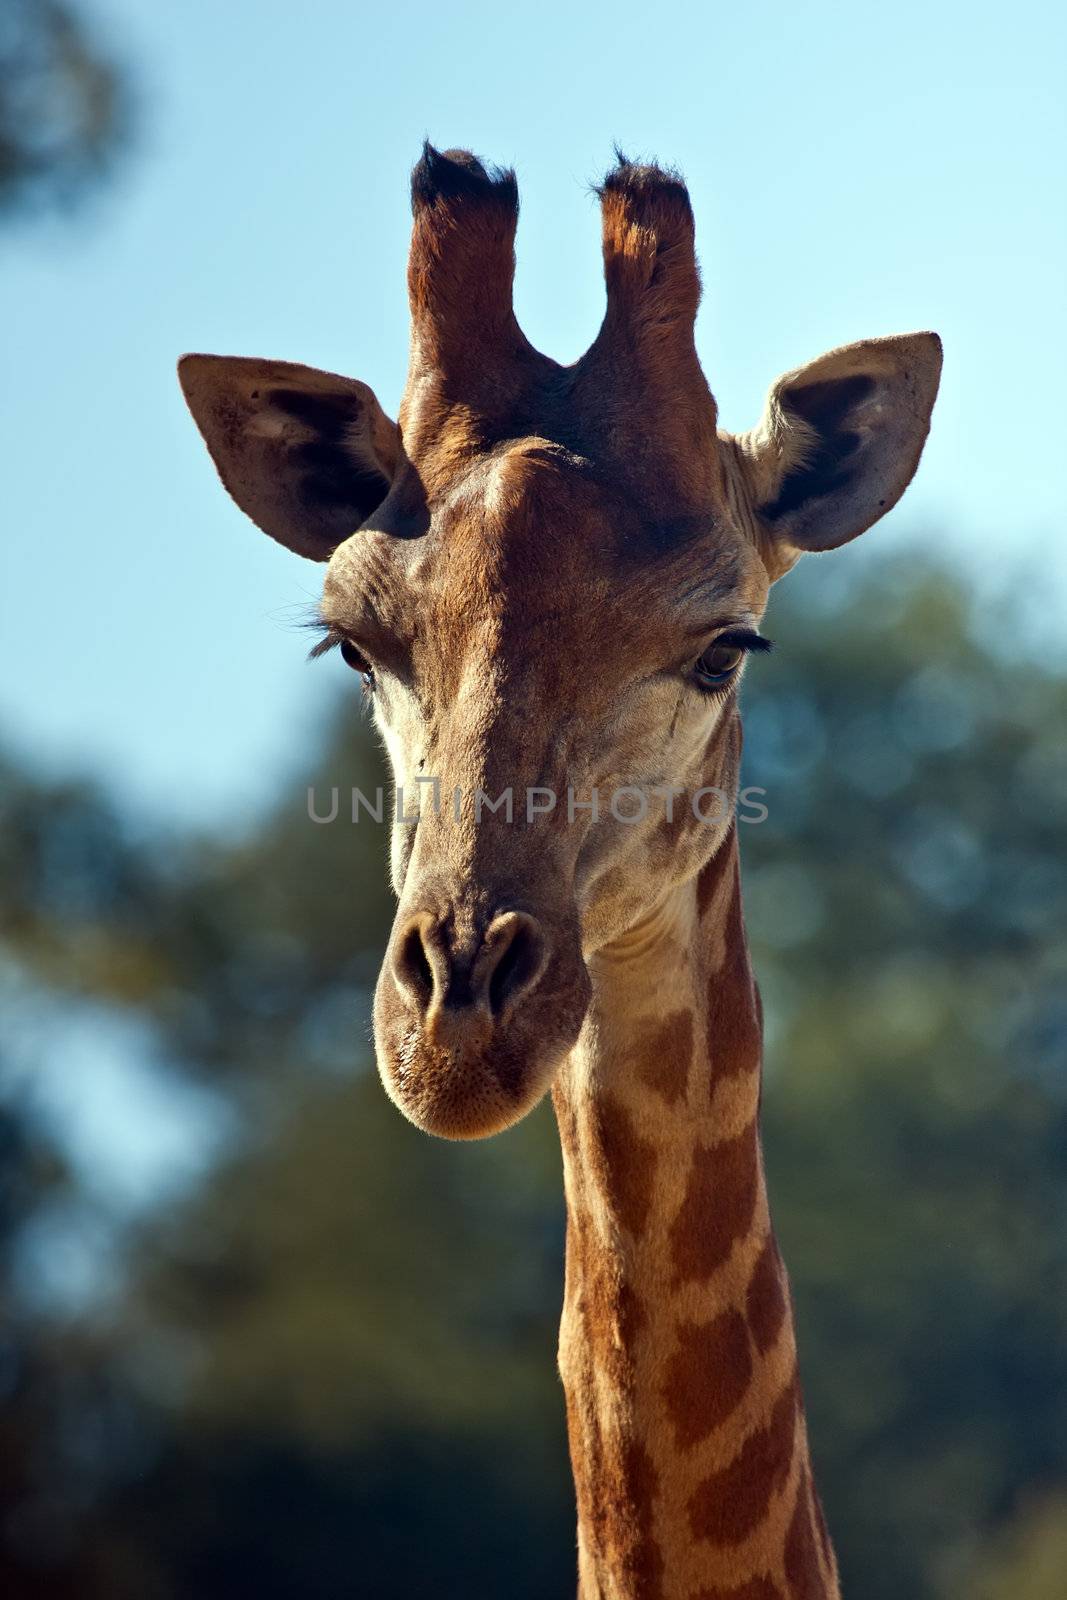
[(677, 1353)]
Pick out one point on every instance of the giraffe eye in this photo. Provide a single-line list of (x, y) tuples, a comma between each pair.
[(357, 661), (719, 663)]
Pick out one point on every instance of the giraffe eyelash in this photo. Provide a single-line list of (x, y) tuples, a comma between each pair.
[(332, 637), (746, 639), (331, 640)]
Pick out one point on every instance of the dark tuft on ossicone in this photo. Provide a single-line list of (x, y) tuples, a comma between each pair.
[(457, 175), (644, 183)]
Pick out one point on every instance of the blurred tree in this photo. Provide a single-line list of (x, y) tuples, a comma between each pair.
[(1026, 1561), (330, 1371), (63, 106), (908, 900)]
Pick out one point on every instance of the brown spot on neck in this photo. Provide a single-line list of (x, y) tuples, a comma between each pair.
[(664, 1055), (729, 1504), (624, 1164), (718, 1207), (802, 1566), (765, 1301), (707, 1376), (645, 1556), (823, 1533), (713, 876), (734, 1022)]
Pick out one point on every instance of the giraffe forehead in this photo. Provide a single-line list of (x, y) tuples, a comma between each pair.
[(531, 554), (538, 533)]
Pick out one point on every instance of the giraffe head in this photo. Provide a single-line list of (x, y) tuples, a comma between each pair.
[(549, 578)]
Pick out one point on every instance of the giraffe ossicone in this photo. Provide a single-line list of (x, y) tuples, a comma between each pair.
[(551, 578)]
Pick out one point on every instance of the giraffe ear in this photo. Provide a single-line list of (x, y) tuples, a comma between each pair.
[(838, 443), (307, 455)]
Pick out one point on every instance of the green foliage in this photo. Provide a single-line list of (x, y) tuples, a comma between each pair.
[(63, 106), (908, 901), (1028, 1560), (329, 1368)]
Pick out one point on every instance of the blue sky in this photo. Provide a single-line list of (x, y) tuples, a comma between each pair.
[(855, 170)]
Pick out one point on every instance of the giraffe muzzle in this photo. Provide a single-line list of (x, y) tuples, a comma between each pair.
[(471, 1026)]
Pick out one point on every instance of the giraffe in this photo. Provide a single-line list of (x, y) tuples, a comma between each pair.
[(550, 580)]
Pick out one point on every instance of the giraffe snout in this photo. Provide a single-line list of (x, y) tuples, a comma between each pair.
[(473, 1017)]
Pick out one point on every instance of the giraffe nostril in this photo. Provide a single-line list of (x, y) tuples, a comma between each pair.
[(412, 967), (509, 961), (516, 962)]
